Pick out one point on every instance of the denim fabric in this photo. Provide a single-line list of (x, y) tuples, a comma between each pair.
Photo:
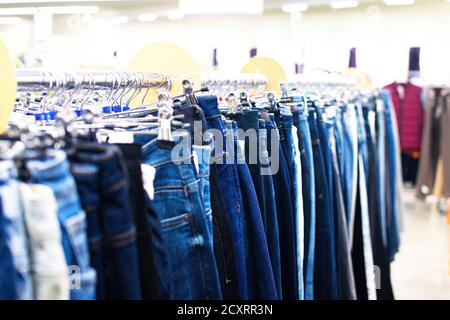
[(346, 282), (325, 281), (248, 134), (153, 259), (392, 157), (223, 241), (7, 274), (203, 156), (53, 171), (229, 185), (309, 200), (14, 228), (47, 260), (301, 221), (178, 201), (260, 277), (377, 205), (271, 225), (366, 263), (286, 121), (286, 223), (111, 228), (350, 177)]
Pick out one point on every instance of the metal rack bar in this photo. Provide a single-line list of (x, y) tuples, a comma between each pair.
[(46, 80)]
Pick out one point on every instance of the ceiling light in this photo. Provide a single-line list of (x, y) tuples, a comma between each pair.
[(70, 10), (147, 17), (175, 15), (17, 11), (344, 4), (294, 7), (398, 2), (10, 20), (221, 7), (121, 20)]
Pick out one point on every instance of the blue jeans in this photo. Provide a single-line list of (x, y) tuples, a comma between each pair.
[(101, 177), (178, 201), (203, 155), (54, 173), (271, 225), (325, 282), (286, 122), (309, 200), (229, 184), (15, 234), (349, 148), (286, 223), (7, 274), (393, 233)]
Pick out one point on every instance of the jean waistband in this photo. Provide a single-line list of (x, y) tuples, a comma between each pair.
[(210, 106), (154, 155), (55, 165)]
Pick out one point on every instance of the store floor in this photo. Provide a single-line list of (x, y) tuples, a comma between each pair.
[(421, 269)]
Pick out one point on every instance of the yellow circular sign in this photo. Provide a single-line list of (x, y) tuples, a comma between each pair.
[(268, 67), (8, 86), (169, 59)]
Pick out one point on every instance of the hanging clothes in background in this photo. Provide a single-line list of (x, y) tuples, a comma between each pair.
[(434, 144), (407, 100)]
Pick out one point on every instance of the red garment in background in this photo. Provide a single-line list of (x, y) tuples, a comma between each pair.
[(407, 100)]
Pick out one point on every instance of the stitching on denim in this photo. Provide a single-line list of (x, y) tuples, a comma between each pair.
[(122, 239), (117, 186)]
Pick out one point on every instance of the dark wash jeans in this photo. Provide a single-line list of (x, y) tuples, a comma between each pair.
[(153, 258), (261, 280), (179, 203), (223, 240), (325, 279), (102, 182), (309, 200), (228, 180), (285, 216), (7, 273)]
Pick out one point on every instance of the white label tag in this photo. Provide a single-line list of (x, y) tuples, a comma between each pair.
[(196, 164), (148, 175)]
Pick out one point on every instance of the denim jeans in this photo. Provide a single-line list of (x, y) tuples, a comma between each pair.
[(14, 227), (102, 180), (223, 241), (8, 272), (364, 265), (309, 200), (153, 258), (286, 121), (346, 280), (350, 177), (228, 180), (271, 223), (325, 281), (47, 261), (178, 201), (203, 156), (286, 223), (261, 282), (54, 173), (392, 157)]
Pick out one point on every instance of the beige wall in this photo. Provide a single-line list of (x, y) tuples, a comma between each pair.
[(320, 38)]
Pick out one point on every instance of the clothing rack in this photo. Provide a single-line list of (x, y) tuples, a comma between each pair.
[(218, 81), (322, 80), (46, 80)]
